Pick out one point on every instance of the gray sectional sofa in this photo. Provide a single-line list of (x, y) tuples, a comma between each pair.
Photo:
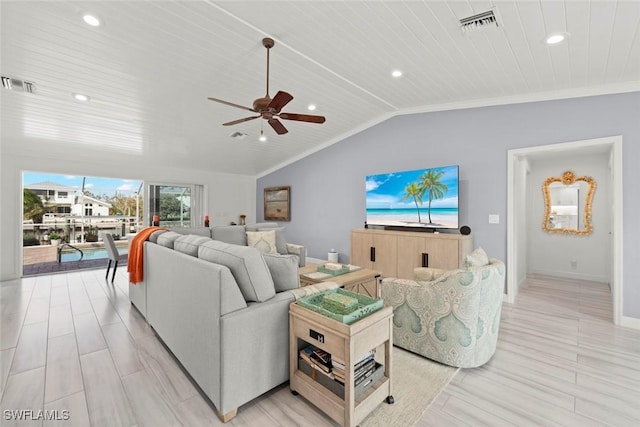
[(222, 309), (237, 235)]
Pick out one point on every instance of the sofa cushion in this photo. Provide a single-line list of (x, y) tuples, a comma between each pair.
[(234, 234), (281, 242), (247, 266), (264, 241), (259, 225), (189, 244), (154, 236), (198, 231), (167, 239), (476, 258), (284, 271)]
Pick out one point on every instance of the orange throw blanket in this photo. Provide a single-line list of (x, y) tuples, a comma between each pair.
[(134, 263)]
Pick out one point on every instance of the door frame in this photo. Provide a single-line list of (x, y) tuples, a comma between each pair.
[(514, 213)]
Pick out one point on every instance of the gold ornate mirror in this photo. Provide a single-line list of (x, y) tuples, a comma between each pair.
[(567, 204)]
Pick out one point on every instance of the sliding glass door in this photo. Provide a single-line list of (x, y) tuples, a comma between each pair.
[(175, 205)]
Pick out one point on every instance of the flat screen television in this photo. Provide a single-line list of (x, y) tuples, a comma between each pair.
[(421, 198)]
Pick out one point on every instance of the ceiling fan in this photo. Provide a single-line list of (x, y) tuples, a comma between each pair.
[(270, 109)]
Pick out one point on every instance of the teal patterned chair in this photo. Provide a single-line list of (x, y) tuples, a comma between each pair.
[(451, 317)]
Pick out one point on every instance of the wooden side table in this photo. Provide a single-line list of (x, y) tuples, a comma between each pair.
[(362, 281), (346, 342)]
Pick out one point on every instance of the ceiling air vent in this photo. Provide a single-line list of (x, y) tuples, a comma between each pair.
[(238, 135), (488, 19), (16, 84)]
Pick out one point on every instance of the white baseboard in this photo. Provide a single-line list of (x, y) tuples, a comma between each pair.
[(570, 275), (630, 322)]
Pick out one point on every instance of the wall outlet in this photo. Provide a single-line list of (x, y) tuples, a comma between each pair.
[(574, 264), (494, 219)]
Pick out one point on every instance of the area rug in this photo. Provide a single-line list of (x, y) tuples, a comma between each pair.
[(416, 382)]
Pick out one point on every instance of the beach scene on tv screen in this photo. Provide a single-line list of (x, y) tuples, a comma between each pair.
[(415, 198)]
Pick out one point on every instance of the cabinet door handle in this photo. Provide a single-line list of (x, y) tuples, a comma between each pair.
[(425, 259), (372, 254)]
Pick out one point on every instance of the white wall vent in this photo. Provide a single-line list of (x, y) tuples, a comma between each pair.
[(488, 19), (16, 84)]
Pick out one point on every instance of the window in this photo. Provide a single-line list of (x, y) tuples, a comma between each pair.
[(176, 205)]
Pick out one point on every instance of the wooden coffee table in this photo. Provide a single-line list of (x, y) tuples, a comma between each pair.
[(362, 281)]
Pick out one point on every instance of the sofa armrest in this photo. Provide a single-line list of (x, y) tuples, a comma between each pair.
[(299, 250)]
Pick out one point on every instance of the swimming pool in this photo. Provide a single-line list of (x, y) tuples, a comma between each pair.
[(89, 253)]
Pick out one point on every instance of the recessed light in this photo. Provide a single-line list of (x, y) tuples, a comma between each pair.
[(311, 107), (396, 73), (91, 20), (556, 38), (80, 97)]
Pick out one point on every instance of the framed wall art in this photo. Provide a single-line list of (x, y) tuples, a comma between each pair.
[(277, 204)]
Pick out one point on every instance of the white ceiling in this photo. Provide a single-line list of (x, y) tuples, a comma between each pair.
[(150, 68)]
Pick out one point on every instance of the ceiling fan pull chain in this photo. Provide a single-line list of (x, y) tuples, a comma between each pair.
[(267, 95)]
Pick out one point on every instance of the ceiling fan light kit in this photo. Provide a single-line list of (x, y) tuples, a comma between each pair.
[(270, 109)]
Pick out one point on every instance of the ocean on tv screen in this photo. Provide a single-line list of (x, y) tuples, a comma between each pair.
[(417, 198)]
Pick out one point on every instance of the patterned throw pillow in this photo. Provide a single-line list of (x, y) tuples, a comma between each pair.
[(264, 241), (477, 258)]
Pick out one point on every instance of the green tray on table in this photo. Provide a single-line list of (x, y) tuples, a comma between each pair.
[(364, 307)]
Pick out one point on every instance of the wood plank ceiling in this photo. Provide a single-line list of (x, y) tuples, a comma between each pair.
[(151, 66)]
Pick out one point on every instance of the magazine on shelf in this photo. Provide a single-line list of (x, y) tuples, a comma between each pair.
[(316, 357), (361, 370), (363, 362), (364, 376), (364, 357)]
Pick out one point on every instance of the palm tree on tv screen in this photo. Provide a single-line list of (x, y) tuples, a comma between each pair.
[(430, 183), (414, 191)]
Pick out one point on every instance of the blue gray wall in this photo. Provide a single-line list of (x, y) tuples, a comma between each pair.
[(328, 193)]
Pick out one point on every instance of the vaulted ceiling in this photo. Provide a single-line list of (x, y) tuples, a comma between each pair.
[(149, 68)]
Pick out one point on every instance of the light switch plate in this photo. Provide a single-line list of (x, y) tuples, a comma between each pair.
[(494, 219)]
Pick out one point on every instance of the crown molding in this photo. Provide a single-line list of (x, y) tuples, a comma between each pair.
[(608, 89)]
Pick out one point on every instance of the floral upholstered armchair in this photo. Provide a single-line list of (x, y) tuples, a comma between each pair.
[(449, 316)]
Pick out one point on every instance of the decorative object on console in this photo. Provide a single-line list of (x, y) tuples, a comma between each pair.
[(277, 204), (206, 220), (156, 221), (567, 204), (465, 230), (243, 218)]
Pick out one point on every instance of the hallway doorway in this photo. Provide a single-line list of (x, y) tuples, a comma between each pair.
[(524, 223)]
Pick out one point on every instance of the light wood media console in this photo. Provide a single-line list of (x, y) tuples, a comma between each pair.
[(397, 253)]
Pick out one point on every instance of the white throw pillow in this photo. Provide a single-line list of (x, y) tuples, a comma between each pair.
[(477, 258), (264, 241)]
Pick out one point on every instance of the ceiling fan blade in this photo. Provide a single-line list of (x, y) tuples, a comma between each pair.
[(232, 104), (235, 122), (302, 117), (278, 126), (280, 100)]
